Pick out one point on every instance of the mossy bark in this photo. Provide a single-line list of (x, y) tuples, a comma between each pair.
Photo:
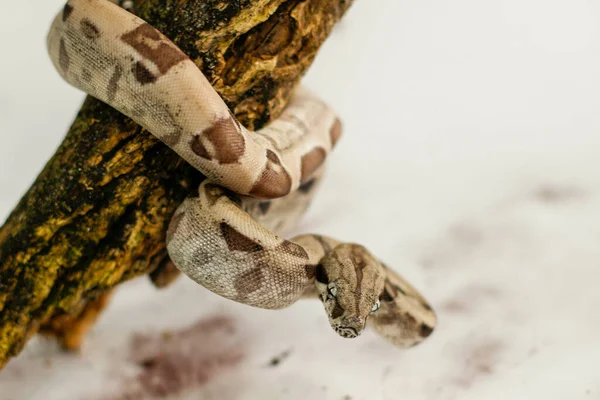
[(97, 214)]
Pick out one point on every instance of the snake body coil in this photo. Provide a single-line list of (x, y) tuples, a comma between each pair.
[(222, 239)]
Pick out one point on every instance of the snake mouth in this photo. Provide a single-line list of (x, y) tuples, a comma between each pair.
[(347, 332)]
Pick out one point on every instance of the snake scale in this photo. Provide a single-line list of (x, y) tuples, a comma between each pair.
[(257, 182)]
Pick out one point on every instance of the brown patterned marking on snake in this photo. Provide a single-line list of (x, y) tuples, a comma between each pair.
[(228, 142), (387, 317), (67, 10), (213, 193), (292, 248), (264, 206), (86, 75), (310, 270), (198, 148), (155, 47), (337, 311), (394, 290), (273, 157), (386, 295), (293, 283), (307, 186), (249, 282), (335, 132), (406, 320), (390, 290), (173, 225), (398, 317), (173, 137), (63, 56), (113, 83), (143, 74), (89, 29), (326, 247), (359, 264), (238, 241), (425, 330), (310, 162), (235, 199), (274, 180)]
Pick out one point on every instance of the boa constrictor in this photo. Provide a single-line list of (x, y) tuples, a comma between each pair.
[(255, 180)]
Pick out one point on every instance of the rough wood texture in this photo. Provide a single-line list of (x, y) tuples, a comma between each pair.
[(97, 214)]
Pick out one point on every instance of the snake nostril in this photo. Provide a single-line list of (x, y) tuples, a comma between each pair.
[(347, 332)]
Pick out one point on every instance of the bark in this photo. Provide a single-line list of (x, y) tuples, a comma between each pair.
[(97, 214)]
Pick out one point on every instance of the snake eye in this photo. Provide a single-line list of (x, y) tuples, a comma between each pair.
[(375, 307), (332, 290)]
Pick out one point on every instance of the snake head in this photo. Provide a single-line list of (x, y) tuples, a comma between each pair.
[(350, 280)]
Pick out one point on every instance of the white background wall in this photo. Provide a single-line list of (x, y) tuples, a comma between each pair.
[(469, 163)]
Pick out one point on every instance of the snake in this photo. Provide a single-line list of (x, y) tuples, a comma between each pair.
[(258, 183)]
